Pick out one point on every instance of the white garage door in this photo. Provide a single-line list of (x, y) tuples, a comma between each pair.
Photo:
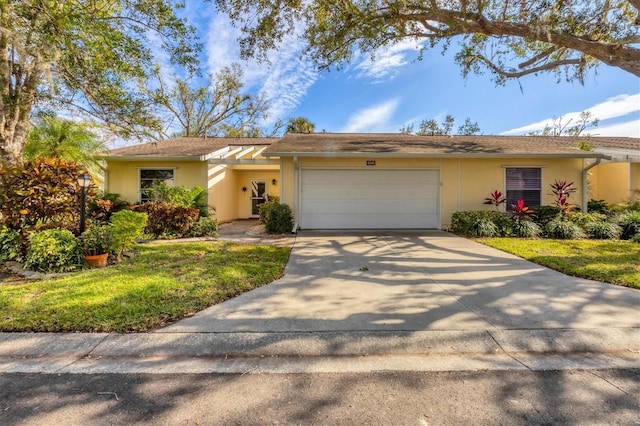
[(369, 199)]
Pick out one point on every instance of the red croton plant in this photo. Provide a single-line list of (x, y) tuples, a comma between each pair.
[(519, 211), (495, 199)]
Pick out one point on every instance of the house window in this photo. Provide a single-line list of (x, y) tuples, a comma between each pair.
[(524, 183), (151, 177)]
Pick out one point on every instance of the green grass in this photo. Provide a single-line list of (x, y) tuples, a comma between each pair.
[(615, 262), (161, 284)]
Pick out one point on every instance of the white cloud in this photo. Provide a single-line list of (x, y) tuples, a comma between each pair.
[(374, 119), (617, 106), (283, 82), (629, 128), (386, 59)]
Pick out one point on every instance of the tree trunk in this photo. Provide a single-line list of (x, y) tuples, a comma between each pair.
[(13, 137)]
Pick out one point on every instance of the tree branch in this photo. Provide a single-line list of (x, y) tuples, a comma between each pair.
[(507, 74), (538, 57)]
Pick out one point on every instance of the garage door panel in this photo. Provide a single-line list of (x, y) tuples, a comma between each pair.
[(358, 199), (356, 206), (364, 221)]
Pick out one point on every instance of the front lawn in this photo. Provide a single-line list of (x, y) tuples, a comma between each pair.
[(161, 284), (615, 262)]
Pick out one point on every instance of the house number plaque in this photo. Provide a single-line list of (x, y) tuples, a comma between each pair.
[(371, 162)]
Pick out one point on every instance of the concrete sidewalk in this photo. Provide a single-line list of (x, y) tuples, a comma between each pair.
[(403, 301)]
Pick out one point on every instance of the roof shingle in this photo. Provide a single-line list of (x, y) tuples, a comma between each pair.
[(185, 147), (399, 144)]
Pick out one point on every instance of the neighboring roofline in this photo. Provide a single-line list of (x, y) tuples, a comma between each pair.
[(332, 154), (152, 158), (621, 154)]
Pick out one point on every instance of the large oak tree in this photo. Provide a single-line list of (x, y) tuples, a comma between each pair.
[(220, 108), (509, 38), (94, 56)]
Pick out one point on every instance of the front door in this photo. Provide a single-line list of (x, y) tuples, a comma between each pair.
[(258, 191)]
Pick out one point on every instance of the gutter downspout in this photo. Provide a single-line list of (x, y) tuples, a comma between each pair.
[(585, 189), (296, 194)]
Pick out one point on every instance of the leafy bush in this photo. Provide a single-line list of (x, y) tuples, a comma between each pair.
[(563, 190), (468, 222), (195, 197), (95, 240), (563, 229), (103, 206), (10, 244), (526, 229), (52, 250), (483, 227), (544, 214), (597, 206), (167, 219), (584, 219), (204, 227), (277, 218), (126, 226), (39, 192), (520, 212), (630, 224), (603, 230), (636, 238), (495, 199)]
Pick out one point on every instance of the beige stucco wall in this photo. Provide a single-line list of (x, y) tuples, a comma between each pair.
[(123, 177), (610, 182), (464, 182), (635, 180), (227, 196)]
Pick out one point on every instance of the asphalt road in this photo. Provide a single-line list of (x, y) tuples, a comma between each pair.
[(583, 397)]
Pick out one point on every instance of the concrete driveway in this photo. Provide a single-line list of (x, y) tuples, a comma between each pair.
[(415, 281)]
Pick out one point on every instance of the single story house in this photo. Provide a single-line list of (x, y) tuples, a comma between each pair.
[(352, 181)]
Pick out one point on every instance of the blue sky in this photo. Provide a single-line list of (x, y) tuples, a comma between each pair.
[(396, 89)]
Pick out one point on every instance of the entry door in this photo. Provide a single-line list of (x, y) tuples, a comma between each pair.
[(258, 191)]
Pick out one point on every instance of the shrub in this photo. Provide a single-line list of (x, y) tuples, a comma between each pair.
[(52, 250), (39, 192), (10, 244), (520, 212), (126, 226), (277, 218), (630, 224), (526, 229), (95, 240), (597, 206), (636, 238), (502, 221), (544, 214), (467, 222), (495, 199), (563, 190), (204, 227), (483, 227), (195, 197), (603, 230), (584, 219), (563, 229), (102, 207), (167, 219)]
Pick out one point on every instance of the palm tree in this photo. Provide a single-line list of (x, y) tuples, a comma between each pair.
[(54, 137), (300, 125)]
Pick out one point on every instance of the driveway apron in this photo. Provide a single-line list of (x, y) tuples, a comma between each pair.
[(414, 281)]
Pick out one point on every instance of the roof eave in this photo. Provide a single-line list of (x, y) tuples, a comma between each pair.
[(153, 158), (430, 155)]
